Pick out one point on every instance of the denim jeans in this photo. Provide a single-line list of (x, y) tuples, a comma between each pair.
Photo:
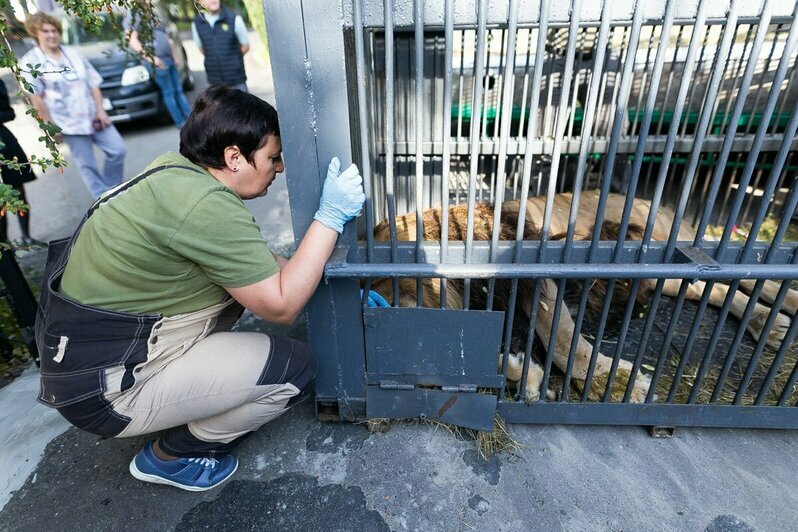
[(168, 79), (110, 142)]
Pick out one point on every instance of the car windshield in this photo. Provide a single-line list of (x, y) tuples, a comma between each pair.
[(75, 33)]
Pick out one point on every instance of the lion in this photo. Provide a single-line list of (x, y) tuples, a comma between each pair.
[(588, 205)]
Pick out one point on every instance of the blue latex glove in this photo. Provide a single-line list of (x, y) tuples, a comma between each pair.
[(375, 300), (342, 197)]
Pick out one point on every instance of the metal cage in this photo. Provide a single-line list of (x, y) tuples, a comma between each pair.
[(528, 161)]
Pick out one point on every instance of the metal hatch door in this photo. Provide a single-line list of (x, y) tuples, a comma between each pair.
[(431, 364)]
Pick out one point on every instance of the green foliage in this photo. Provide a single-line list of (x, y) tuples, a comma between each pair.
[(91, 13), (257, 18)]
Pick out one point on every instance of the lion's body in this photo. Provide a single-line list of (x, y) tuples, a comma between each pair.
[(584, 224)]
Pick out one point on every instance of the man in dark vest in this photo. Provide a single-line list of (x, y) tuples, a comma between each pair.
[(221, 36)]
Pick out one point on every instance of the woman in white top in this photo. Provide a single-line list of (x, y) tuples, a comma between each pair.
[(67, 93)]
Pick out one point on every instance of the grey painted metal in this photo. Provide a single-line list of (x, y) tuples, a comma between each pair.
[(470, 410), (659, 188), (550, 190), (580, 176), (653, 143), (564, 271), (419, 102), (363, 123), (743, 185), (309, 77), (713, 191), (400, 385), (476, 122), (434, 343), (389, 133), (529, 251), (540, 51), (465, 12), (447, 128), (609, 165), (748, 75), (507, 104), (791, 130), (789, 385)]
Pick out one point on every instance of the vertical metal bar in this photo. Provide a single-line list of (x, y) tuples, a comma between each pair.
[(606, 180), (667, 24), (760, 345), (643, 81), (781, 158), (562, 117), (483, 134), (532, 105), (660, 186), (785, 346), (695, 157), (770, 105), (651, 100), (728, 141), (665, 103), (476, 102), (699, 71), (507, 104), (786, 96), (447, 132), (777, 360), (389, 139), (365, 162), (744, 59), (762, 77), (500, 84), (587, 126), (785, 173), (540, 53), (789, 134), (419, 100)]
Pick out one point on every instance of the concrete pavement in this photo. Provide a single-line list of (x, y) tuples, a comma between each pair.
[(299, 474)]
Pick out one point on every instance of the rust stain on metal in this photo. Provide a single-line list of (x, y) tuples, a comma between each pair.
[(447, 405)]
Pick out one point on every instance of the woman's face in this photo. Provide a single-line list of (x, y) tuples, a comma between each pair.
[(49, 37), (254, 180)]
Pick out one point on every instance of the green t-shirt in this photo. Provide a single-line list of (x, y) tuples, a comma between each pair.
[(169, 244)]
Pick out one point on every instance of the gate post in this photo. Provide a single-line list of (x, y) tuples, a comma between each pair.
[(306, 47)]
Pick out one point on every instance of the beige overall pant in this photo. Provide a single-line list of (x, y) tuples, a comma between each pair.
[(219, 385)]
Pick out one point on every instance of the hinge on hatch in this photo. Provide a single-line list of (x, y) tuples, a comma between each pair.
[(390, 385), (463, 388), (460, 388)]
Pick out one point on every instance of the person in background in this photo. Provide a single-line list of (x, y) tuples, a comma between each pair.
[(67, 93), (221, 36), (163, 68), (15, 178)]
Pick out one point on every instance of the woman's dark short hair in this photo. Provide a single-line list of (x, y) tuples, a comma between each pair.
[(224, 117)]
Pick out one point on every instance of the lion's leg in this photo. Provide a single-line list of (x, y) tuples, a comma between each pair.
[(717, 297), (770, 291), (565, 332), (534, 376)]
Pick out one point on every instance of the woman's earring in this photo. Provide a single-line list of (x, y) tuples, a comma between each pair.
[(235, 169)]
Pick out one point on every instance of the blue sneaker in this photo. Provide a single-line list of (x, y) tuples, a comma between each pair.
[(192, 474)]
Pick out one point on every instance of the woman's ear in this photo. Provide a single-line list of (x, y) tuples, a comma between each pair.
[(232, 158)]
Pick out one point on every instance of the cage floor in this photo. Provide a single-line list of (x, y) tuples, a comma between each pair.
[(675, 353)]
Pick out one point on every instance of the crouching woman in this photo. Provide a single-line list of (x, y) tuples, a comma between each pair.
[(137, 306)]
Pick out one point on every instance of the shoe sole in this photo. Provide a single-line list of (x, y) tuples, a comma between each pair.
[(155, 479)]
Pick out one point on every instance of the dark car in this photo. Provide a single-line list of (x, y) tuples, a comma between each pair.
[(129, 91)]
